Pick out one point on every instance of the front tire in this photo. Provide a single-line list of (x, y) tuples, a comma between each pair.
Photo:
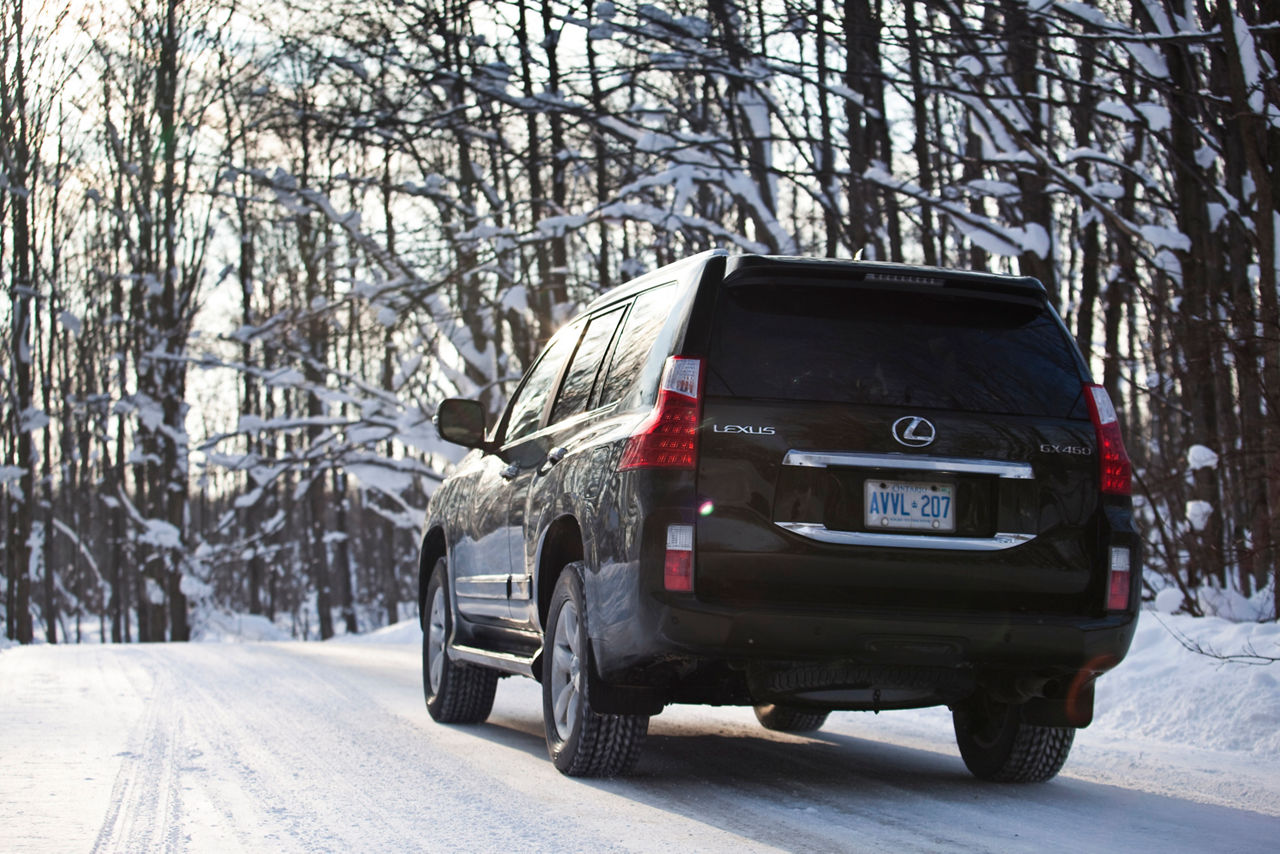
[(456, 693), (582, 743), (997, 745), (780, 717)]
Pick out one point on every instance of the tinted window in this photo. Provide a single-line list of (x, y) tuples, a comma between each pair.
[(647, 316), (531, 397), (585, 367), (864, 346)]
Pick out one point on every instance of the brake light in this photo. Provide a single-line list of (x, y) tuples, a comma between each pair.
[(677, 566), (1113, 462), (1118, 580), (668, 438)]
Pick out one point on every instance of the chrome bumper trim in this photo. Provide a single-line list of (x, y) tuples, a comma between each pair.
[(823, 534), (906, 462)]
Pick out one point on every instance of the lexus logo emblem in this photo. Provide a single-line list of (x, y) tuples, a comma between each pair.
[(914, 431)]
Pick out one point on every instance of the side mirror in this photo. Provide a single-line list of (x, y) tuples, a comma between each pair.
[(461, 421)]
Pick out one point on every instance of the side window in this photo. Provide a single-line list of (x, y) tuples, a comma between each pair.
[(531, 397), (643, 324), (585, 367)]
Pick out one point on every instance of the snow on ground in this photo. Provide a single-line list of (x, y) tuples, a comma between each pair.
[(310, 747)]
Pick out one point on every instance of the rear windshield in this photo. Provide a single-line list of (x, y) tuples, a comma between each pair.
[(869, 346)]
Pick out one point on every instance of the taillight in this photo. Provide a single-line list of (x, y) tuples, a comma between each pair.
[(677, 565), (1113, 462), (1118, 580), (668, 438)]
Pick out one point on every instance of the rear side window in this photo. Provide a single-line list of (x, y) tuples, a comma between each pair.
[(585, 367), (866, 346), (646, 319)]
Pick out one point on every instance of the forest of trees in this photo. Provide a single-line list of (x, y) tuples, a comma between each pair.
[(247, 245)]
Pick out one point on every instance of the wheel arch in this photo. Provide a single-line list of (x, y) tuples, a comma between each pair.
[(561, 546), (433, 548)]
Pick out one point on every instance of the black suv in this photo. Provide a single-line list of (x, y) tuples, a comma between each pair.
[(795, 484)]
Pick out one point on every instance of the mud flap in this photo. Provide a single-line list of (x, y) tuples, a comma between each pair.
[(609, 699)]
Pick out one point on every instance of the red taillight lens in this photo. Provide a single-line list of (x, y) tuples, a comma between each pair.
[(668, 438), (677, 567), (1113, 462)]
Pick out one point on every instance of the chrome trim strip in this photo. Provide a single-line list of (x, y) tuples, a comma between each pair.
[(823, 534), (481, 587), (504, 661), (912, 462)]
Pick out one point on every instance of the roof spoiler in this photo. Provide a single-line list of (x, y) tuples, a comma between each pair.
[(744, 269)]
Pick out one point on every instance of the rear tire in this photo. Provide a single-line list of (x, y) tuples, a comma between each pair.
[(997, 745), (783, 718), (456, 693), (582, 743)]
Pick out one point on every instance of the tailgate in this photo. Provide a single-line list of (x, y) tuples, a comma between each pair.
[(818, 505), (871, 447)]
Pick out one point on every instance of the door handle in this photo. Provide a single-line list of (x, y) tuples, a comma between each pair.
[(554, 456)]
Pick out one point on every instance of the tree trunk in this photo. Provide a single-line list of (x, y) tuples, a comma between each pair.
[(1090, 239), (541, 289), (604, 279), (170, 486), (342, 553), (15, 136), (863, 76), (558, 282), (1260, 142), (921, 146), (1025, 39)]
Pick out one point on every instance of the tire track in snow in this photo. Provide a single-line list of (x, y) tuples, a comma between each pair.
[(145, 804), (304, 760)]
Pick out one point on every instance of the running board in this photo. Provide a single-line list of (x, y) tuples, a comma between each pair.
[(507, 662)]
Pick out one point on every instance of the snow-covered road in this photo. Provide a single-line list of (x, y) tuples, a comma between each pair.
[(327, 747)]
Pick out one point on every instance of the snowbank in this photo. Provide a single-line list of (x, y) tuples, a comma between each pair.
[(225, 627), (405, 631), (1166, 692)]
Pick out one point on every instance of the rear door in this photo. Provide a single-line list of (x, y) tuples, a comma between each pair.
[(567, 421), (873, 446), (482, 567)]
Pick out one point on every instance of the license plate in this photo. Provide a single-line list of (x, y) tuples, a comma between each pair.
[(904, 506)]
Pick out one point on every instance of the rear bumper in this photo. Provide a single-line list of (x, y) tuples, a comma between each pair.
[(771, 616), (679, 629)]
